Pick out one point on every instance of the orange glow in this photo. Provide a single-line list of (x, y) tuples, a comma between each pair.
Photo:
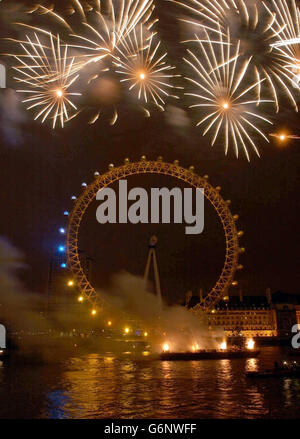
[(166, 347), (142, 76), (59, 93), (145, 334), (226, 105), (93, 312), (109, 323), (223, 346), (80, 299), (284, 137), (126, 330), (250, 344), (71, 283), (195, 347)]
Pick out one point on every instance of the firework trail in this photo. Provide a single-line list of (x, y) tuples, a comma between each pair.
[(287, 27), (211, 14), (46, 74), (103, 24), (142, 64), (221, 94), (99, 27), (258, 29), (283, 137)]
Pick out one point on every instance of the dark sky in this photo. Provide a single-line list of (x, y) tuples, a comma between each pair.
[(43, 168)]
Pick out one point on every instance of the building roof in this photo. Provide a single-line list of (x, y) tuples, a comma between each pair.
[(248, 302), (282, 297), (251, 302)]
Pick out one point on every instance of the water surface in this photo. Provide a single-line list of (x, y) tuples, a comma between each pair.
[(107, 386)]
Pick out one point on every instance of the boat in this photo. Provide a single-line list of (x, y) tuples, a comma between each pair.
[(286, 370), (228, 354), (274, 374)]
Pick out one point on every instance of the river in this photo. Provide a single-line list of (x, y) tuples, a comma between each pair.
[(108, 386)]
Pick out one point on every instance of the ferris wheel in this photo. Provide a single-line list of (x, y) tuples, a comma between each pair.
[(226, 279)]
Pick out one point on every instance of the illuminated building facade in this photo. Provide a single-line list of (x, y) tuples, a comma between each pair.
[(287, 312), (255, 316)]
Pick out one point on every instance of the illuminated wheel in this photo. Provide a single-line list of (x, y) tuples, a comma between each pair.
[(226, 279)]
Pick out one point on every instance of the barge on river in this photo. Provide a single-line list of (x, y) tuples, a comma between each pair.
[(209, 355)]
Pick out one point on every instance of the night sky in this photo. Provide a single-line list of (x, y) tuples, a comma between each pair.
[(41, 169)]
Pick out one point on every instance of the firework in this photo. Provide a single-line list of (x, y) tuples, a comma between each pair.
[(287, 28), (142, 65), (286, 23), (103, 25), (106, 24), (211, 14), (259, 29), (46, 74), (221, 94), (283, 136)]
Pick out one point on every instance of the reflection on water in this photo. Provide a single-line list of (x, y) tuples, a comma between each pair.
[(97, 386), (252, 364)]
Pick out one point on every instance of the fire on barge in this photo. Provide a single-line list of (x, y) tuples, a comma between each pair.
[(223, 353)]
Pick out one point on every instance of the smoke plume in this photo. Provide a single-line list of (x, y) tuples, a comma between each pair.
[(175, 325)]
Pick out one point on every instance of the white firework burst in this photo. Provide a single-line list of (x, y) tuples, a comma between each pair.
[(211, 14), (287, 28), (46, 74), (107, 23), (142, 64), (258, 26), (222, 96)]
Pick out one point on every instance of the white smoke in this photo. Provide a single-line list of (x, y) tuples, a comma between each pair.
[(11, 117), (177, 117), (175, 325)]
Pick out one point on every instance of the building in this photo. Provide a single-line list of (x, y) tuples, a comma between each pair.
[(255, 316), (287, 312), (252, 316)]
